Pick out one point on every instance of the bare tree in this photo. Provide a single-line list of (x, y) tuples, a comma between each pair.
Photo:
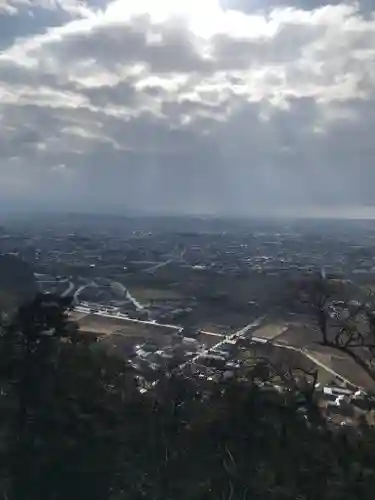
[(344, 316)]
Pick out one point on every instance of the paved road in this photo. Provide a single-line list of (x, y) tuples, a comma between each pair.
[(165, 263), (249, 327), (129, 296), (80, 289), (256, 324), (77, 292), (330, 370), (123, 317), (225, 338), (316, 361), (156, 266), (69, 290), (214, 334)]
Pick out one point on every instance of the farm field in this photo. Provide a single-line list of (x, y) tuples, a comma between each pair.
[(76, 315), (107, 326), (145, 294), (299, 336), (209, 340), (214, 328), (270, 331)]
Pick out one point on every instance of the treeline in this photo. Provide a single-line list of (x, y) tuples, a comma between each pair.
[(74, 425)]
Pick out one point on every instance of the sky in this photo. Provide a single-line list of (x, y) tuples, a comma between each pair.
[(225, 107)]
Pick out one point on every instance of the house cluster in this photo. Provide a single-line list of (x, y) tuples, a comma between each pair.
[(343, 401)]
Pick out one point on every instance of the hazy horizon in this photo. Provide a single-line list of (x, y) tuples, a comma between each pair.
[(351, 214), (214, 107)]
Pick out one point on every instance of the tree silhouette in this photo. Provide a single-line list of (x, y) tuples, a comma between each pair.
[(344, 315), (76, 426), (59, 405)]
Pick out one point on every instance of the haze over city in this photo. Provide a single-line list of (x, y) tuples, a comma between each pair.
[(239, 107)]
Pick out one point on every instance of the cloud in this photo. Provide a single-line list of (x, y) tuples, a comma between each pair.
[(23, 18), (188, 106), (249, 6)]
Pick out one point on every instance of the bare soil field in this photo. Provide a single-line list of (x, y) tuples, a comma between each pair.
[(144, 294), (299, 336), (209, 340), (96, 327), (142, 330), (106, 326), (270, 331), (348, 369), (219, 320), (289, 359), (120, 344), (77, 316), (99, 324), (343, 365)]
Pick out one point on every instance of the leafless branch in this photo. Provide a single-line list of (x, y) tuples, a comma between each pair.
[(345, 325)]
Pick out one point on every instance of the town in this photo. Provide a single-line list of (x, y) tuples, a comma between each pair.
[(202, 296)]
